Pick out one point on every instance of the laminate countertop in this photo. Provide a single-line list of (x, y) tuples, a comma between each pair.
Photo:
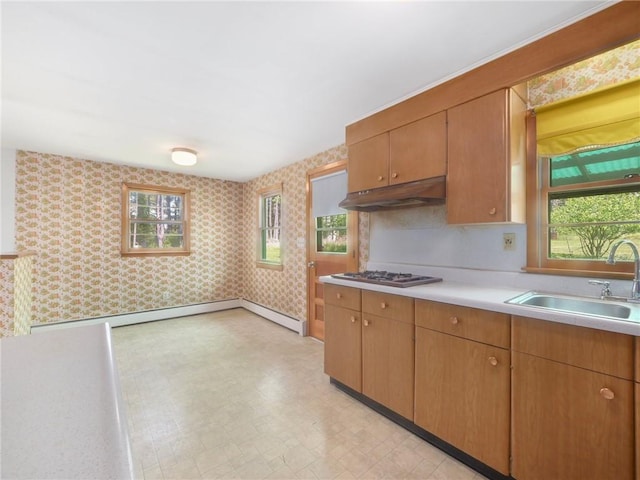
[(62, 410), (494, 298)]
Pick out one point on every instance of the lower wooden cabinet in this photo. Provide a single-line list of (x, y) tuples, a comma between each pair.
[(572, 402), (343, 346), (462, 395), (388, 363), (570, 423)]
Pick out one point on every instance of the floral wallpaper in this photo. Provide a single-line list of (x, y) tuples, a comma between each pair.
[(68, 213), (608, 68), (15, 294)]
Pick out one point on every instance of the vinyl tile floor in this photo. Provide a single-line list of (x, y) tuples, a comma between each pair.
[(230, 395)]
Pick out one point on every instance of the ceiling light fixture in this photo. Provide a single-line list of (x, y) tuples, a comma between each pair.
[(184, 156)]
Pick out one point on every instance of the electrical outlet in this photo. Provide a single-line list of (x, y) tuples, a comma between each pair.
[(508, 241)]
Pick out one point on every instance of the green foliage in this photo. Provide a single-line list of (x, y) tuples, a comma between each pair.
[(568, 217)]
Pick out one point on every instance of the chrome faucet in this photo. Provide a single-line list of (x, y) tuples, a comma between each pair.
[(635, 286)]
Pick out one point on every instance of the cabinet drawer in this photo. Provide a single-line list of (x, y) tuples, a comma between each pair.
[(597, 350), (472, 323), (386, 305), (342, 296)]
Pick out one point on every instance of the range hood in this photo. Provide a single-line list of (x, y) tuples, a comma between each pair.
[(431, 191)]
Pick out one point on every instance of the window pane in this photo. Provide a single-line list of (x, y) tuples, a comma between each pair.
[(156, 235), (584, 227), (271, 211), (331, 233), (609, 163), (271, 245)]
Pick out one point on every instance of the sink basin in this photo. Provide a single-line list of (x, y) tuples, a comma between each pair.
[(565, 303)]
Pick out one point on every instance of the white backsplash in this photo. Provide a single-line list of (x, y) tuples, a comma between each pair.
[(418, 240)]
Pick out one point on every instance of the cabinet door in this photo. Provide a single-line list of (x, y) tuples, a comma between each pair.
[(387, 363), (479, 159), (418, 150), (368, 163), (566, 426), (343, 346), (462, 395)]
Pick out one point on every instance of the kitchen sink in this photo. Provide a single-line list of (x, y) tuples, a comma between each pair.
[(566, 303)]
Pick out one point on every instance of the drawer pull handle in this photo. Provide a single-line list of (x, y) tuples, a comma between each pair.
[(492, 211), (366, 323), (394, 175), (338, 296), (493, 361), (607, 393), (380, 178), (353, 319), (454, 320), (383, 305)]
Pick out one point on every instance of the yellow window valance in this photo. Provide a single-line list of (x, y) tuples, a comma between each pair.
[(609, 116)]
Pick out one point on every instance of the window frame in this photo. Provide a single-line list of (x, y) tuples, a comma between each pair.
[(537, 202), (262, 194), (125, 221)]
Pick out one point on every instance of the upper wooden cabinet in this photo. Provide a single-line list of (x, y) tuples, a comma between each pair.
[(418, 150), (406, 154), (486, 160), (368, 163)]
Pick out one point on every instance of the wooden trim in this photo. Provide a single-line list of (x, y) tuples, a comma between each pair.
[(578, 273), (269, 266), (602, 31), (14, 255)]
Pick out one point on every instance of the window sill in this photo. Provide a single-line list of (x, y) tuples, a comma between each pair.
[(269, 266), (156, 254), (578, 273)]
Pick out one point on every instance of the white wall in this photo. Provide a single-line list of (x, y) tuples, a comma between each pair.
[(420, 241), (421, 236), (7, 200)]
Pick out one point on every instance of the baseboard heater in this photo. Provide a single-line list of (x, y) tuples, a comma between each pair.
[(133, 318)]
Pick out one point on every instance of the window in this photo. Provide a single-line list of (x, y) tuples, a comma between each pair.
[(269, 228), (586, 194), (155, 220), (592, 199), (331, 233)]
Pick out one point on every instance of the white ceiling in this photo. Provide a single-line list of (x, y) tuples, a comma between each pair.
[(252, 86)]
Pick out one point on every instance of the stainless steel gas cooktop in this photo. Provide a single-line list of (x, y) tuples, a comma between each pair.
[(392, 279)]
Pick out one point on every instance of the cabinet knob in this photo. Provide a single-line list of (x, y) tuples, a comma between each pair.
[(394, 175), (383, 305), (338, 296), (607, 393), (366, 323), (493, 361), (353, 319), (380, 178), (492, 211), (454, 320)]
